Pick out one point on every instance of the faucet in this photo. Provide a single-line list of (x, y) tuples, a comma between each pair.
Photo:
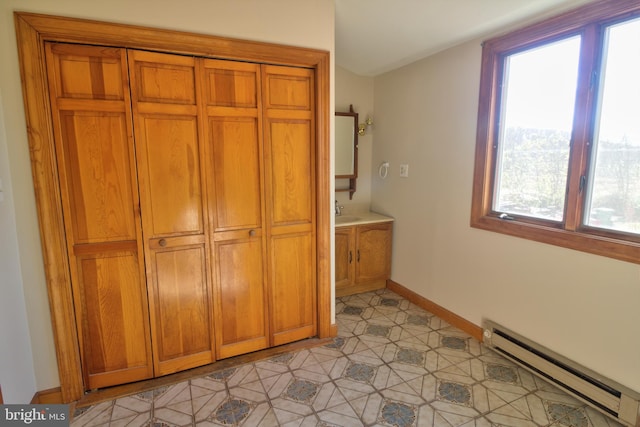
[(338, 209)]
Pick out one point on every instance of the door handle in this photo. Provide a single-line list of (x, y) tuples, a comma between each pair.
[(162, 242)]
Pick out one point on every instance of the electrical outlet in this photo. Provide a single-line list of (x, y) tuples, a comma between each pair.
[(404, 171)]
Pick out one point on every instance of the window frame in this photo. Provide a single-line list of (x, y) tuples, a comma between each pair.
[(588, 22)]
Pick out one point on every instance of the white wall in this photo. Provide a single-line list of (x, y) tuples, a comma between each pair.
[(583, 306), (352, 89), (308, 23), (16, 363)]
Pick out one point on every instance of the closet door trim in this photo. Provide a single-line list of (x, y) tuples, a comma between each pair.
[(32, 30)]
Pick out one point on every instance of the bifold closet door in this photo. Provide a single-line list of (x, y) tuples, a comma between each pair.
[(232, 101), (189, 198), (169, 143), (96, 168), (289, 129)]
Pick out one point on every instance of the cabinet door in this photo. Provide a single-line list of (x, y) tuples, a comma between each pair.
[(232, 100), (168, 134), (345, 257), (290, 188), (373, 253), (95, 159)]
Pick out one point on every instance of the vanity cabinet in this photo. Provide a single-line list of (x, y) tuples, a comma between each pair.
[(362, 257)]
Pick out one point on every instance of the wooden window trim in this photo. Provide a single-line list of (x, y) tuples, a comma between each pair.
[(32, 31), (570, 234)]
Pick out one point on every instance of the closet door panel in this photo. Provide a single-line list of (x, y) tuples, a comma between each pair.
[(100, 187), (293, 276), (241, 310), (231, 84), (114, 325), (291, 194), (173, 190), (232, 94), (169, 144), (288, 89), (181, 308), (291, 172), (164, 79), (236, 167), (95, 158), (86, 72)]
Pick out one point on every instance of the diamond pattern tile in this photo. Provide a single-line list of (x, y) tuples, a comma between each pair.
[(392, 364)]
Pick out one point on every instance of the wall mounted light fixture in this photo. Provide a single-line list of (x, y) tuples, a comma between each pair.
[(362, 127)]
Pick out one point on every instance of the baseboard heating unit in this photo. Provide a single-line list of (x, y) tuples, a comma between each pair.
[(604, 395)]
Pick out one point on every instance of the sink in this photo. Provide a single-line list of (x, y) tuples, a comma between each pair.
[(347, 218)]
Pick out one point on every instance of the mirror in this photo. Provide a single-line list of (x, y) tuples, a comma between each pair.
[(347, 144), (346, 138)]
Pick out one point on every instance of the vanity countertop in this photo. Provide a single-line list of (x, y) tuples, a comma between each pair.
[(358, 218)]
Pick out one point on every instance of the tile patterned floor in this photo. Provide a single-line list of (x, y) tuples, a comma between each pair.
[(393, 364)]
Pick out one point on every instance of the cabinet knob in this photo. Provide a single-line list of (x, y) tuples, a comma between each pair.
[(162, 242), (252, 232)]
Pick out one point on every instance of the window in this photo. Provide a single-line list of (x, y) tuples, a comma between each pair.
[(558, 141)]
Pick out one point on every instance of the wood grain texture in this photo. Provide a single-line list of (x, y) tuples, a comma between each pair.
[(363, 257), (345, 257), (130, 36), (324, 198), (114, 319), (290, 172), (43, 397), (237, 170), (293, 296), (232, 93), (231, 84), (290, 190), (446, 315), (94, 152), (32, 30), (373, 252), (242, 304), (168, 142), (170, 138)]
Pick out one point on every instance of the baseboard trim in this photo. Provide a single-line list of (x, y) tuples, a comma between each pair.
[(50, 396), (448, 316)]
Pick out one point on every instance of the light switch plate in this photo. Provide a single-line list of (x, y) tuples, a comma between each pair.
[(404, 171)]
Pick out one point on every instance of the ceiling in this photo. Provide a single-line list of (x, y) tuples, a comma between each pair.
[(376, 36)]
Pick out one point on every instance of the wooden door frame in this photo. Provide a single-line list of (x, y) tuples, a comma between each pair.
[(32, 31)]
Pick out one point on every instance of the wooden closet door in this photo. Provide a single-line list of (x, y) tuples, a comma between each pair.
[(232, 99), (95, 159), (289, 129), (168, 133)]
